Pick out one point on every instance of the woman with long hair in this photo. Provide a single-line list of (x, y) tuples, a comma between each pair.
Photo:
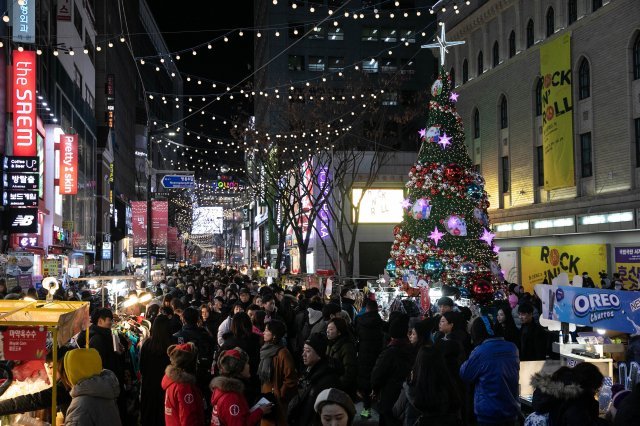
[(505, 326), (153, 361), (429, 397), (277, 372), (242, 336)]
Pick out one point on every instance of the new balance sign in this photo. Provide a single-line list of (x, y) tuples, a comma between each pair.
[(22, 221)]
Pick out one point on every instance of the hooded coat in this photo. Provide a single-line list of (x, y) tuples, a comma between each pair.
[(183, 404), (230, 407), (566, 404), (94, 401)]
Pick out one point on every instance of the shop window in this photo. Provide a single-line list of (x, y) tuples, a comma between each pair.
[(572, 11), (335, 34), (584, 80), (336, 63), (389, 35), (496, 54), (636, 58), (480, 63), (370, 65), (370, 34), (465, 71), (505, 184), (551, 22), (538, 97), (540, 166), (317, 63), (504, 113), (512, 44)]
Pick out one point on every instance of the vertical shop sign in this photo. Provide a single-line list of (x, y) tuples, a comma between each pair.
[(159, 229), (24, 21), (628, 266), (139, 225), (24, 103), (323, 215), (68, 164)]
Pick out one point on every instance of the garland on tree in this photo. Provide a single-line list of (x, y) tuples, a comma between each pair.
[(445, 235)]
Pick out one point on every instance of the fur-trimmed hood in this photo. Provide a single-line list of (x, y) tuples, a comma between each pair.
[(556, 389), (227, 384), (176, 375)]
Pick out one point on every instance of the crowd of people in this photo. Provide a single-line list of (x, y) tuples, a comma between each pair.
[(228, 350)]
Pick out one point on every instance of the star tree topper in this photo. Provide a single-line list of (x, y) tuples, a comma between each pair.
[(442, 44)]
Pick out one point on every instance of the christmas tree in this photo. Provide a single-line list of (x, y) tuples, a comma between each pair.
[(445, 237)]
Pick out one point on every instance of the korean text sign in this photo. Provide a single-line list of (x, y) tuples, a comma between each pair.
[(628, 266), (24, 343)]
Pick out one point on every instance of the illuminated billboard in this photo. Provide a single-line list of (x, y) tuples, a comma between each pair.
[(207, 220), (378, 205)]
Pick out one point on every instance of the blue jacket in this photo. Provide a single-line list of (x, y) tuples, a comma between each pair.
[(494, 368)]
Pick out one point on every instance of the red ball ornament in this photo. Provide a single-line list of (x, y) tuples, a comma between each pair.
[(482, 291), (454, 172)]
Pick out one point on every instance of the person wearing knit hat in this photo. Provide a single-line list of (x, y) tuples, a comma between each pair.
[(320, 374), (230, 407), (93, 390), (335, 408), (183, 403)]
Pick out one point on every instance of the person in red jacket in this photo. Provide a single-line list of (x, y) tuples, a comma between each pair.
[(183, 403), (230, 407)]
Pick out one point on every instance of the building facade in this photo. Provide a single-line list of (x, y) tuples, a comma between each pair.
[(497, 73)]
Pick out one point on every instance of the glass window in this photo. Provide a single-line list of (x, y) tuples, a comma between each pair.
[(504, 113), (389, 35), (408, 66), (77, 19), (585, 155), (505, 174), (317, 33), (336, 63), (540, 166), (538, 98), (335, 34), (530, 34), (465, 71), (452, 74), (390, 98), (370, 65), (296, 63), (636, 123), (512, 44), (636, 58), (480, 63), (496, 54), (595, 5), (296, 32), (388, 65), (370, 34), (476, 124), (572, 11), (551, 22), (317, 63), (408, 36), (584, 80)]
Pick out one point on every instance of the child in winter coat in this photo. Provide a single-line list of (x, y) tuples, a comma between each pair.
[(93, 390), (230, 407), (183, 403)]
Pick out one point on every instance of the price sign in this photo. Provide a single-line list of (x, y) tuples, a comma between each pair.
[(23, 343)]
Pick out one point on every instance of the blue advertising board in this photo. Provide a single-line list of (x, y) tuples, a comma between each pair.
[(593, 307)]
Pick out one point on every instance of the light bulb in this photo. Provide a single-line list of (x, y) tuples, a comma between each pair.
[(55, 53), (5, 18), (122, 39), (20, 48), (98, 48), (110, 44), (71, 52)]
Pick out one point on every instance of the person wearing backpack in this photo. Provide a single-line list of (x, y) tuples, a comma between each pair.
[(429, 397)]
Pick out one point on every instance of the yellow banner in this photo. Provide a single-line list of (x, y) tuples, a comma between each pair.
[(547, 262), (557, 113)]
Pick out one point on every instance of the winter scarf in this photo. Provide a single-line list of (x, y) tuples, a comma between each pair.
[(267, 352)]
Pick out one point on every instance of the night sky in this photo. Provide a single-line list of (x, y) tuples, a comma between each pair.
[(188, 25)]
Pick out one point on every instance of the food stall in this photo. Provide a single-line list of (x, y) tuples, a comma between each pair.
[(26, 327)]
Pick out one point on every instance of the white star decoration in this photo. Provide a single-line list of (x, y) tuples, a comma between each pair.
[(487, 236), (444, 141), (442, 44)]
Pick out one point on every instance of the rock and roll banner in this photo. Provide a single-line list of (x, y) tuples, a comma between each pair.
[(544, 263), (557, 113)]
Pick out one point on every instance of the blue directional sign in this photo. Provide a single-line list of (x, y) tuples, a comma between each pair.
[(179, 181)]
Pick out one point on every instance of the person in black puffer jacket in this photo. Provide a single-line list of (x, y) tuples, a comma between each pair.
[(392, 369), (369, 330), (567, 396)]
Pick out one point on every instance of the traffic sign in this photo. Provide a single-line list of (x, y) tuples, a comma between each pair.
[(179, 181)]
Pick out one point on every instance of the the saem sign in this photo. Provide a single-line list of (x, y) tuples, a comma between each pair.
[(68, 164), (24, 103)]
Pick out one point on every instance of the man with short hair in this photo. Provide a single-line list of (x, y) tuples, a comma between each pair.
[(100, 339), (533, 337), (245, 297), (269, 306), (319, 375)]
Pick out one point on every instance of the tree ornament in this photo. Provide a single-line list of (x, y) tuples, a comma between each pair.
[(432, 135), (391, 267), (482, 291), (480, 216), (487, 236), (456, 226), (474, 192), (421, 209), (467, 267), (411, 250), (436, 88), (444, 141), (453, 172), (433, 266), (436, 235)]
